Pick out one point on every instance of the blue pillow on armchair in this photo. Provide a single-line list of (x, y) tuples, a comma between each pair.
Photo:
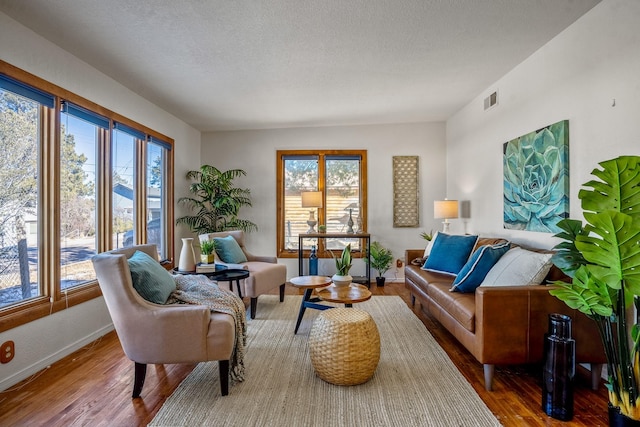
[(449, 253), (475, 270), (229, 250)]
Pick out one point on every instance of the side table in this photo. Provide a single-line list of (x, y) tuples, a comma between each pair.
[(309, 283)]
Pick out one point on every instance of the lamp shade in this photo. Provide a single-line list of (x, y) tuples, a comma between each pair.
[(311, 199), (445, 209)]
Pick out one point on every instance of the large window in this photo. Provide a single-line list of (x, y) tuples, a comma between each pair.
[(340, 178), (75, 179)]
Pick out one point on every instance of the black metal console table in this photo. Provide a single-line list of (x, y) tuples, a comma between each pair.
[(366, 237)]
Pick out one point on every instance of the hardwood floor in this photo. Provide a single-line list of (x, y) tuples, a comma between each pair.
[(93, 387)]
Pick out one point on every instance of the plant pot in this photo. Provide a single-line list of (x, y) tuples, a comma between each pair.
[(207, 259), (380, 281), (616, 419), (341, 281)]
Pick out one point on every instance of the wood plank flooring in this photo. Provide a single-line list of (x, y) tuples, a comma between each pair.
[(92, 387)]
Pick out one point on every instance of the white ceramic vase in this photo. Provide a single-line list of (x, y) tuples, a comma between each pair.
[(187, 260), (340, 281)]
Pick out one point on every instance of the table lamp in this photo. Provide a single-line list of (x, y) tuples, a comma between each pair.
[(311, 199), (445, 209)]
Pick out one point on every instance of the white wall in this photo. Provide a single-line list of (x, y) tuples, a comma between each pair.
[(575, 76), (41, 342), (255, 152)]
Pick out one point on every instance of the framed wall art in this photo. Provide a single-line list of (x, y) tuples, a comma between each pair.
[(536, 179)]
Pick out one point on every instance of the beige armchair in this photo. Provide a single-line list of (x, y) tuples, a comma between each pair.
[(158, 334), (265, 273)]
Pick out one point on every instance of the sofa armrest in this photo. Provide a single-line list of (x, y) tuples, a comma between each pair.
[(503, 323), (411, 254), (258, 258)]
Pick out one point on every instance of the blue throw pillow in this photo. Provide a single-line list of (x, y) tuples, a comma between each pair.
[(475, 270), (150, 279), (229, 250), (449, 253)]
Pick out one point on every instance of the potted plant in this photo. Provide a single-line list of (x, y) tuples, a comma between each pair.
[(207, 251), (343, 265), (380, 259), (216, 201), (603, 258), (322, 229), (427, 236)]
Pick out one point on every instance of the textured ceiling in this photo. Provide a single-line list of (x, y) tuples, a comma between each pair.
[(225, 64)]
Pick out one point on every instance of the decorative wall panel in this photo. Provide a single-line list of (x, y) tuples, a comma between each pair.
[(405, 191)]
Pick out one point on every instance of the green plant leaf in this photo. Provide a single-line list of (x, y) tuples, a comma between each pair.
[(611, 247), (568, 258), (586, 293), (618, 190)]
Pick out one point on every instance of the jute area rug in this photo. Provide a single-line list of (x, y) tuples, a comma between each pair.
[(415, 384)]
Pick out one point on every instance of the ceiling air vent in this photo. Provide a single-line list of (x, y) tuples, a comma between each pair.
[(491, 100)]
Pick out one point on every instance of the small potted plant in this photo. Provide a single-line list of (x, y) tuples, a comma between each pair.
[(343, 265), (322, 229), (380, 259), (207, 251)]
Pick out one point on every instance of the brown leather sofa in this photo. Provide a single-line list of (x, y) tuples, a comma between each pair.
[(502, 325)]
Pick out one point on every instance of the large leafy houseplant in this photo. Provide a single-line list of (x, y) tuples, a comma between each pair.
[(603, 258), (215, 201)]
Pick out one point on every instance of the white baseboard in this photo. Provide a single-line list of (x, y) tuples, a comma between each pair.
[(52, 358)]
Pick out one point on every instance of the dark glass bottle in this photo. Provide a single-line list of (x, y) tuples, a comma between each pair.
[(559, 368), (313, 262)]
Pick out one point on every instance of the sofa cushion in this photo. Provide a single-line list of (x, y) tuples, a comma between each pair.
[(460, 306), (475, 270), (150, 279), (450, 253), (519, 267), (229, 250)]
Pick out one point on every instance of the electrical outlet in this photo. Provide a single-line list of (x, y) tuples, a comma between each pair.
[(399, 263), (7, 351)]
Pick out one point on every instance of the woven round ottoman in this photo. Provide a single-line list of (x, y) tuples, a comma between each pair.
[(344, 345)]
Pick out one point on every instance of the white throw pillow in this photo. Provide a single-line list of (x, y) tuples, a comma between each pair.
[(427, 250), (519, 267)]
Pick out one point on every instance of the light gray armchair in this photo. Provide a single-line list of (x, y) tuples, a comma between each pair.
[(158, 334), (265, 273)]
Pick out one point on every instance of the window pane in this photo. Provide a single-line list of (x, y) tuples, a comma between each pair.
[(79, 140), (342, 189), (299, 175), (156, 197), (19, 182), (123, 189)]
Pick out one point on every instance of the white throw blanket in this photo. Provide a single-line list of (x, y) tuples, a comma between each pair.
[(196, 289)]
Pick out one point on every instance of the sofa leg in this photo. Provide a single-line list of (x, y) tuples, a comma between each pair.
[(138, 379), (254, 306), (488, 376), (282, 292), (223, 368), (596, 375)]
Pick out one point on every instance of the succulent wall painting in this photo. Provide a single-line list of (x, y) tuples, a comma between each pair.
[(536, 179)]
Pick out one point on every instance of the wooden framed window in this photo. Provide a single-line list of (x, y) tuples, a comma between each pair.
[(66, 165), (340, 177)]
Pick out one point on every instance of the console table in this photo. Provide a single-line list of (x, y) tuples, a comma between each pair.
[(365, 237)]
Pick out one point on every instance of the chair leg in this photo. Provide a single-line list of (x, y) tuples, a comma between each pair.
[(223, 368), (254, 306), (282, 292), (138, 382)]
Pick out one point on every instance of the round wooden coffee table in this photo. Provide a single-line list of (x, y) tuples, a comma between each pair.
[(347, 295)]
